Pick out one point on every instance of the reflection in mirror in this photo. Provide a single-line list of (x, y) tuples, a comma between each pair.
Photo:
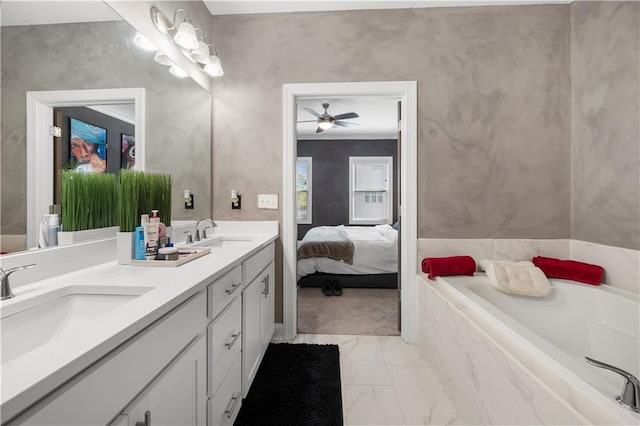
[(44, 52)]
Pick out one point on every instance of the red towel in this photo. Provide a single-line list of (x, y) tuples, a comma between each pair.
[(570, 270), (453, 265)]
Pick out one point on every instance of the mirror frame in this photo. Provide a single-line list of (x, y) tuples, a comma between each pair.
[(40, 171)]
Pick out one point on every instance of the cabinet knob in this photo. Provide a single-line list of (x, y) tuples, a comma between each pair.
[(147, 419)]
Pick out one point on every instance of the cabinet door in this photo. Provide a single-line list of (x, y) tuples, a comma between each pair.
[(251, 344), (267, 307), (178, 395)]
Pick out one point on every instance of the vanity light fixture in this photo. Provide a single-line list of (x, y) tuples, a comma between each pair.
[(177, 71), (143, 43), (185, 36)]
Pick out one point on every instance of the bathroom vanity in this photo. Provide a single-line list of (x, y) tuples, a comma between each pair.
[(126, 345)]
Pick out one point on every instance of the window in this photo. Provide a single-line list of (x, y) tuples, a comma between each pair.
[(370, 190), (303, 190)]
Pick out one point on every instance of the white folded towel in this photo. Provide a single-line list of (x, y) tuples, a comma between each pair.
[(523, 278)]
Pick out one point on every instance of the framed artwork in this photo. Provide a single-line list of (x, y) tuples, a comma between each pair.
[(88, 147), (128, 152)]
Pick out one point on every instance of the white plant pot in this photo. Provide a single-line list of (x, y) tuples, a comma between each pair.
[(73, 237), (126, 247)]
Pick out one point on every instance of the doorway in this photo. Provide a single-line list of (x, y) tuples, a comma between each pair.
[(406, 92)]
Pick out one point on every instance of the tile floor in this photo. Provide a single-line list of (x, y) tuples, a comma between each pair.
[(387, 382)]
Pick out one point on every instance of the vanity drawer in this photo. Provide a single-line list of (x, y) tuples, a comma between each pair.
[(224, 343), (223, 408), (257, 262), (223, 290)]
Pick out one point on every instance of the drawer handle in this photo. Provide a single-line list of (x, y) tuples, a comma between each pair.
[(265, 280), (234, 338), (231, 406), (233, 288)]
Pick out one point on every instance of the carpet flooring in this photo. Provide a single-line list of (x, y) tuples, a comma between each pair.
[(369, 311), (296, 384)]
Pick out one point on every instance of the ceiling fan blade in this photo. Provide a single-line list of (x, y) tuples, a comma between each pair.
[(308, 121), (346, 115), (345, 124), (312, 112), (319, 130)]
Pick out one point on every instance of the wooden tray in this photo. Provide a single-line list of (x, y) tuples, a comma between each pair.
[(193, 253)]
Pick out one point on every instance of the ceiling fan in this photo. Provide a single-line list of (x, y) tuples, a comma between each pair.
[(326, 121)]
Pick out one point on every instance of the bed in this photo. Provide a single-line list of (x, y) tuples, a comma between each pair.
[(356, 256)]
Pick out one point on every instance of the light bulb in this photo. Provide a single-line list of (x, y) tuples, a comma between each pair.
[(214, 67), (324, 125), (186, 36), (177, 71), (143, 43)]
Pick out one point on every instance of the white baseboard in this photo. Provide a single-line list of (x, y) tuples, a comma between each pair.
[(278, 333)]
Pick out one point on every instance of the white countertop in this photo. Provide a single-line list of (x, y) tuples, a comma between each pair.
[(28, 378)]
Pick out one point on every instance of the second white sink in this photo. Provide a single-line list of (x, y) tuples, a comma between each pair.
[(35, 321)]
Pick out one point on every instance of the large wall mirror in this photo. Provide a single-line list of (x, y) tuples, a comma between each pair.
[(86, 51)]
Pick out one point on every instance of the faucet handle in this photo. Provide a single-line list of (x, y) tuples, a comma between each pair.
[(189, 237), (630, 395)]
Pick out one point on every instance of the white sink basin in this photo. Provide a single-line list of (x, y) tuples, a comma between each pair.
[(35, 321), (227, 242)]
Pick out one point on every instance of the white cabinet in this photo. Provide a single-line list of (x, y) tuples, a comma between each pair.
[(177, 396), (258, 310)]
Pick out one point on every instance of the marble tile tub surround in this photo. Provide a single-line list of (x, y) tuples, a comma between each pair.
[(605, 129), (622, 265), (496, 377)]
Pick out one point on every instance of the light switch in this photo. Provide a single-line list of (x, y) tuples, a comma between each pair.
[(268, 201)]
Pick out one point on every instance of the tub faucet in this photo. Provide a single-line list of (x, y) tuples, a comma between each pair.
[(630, 395), (212, 225), (6, 288)]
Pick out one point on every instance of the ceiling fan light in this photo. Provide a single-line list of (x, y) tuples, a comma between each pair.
[(162, 59), (143, 43), (214, 67), (178, 72), (201, 53), (325, 125), (186, 36)]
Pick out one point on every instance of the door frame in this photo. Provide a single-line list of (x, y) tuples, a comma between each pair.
[(40, 106), (406, 91)]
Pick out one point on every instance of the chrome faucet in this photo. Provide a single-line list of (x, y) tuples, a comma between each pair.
[(630, 395), (212, 225), (189, 238), (6, 288)]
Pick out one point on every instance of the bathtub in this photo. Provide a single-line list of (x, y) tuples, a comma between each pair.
[(538, 345)]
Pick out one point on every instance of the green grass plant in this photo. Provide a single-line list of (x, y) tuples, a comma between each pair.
[(88, 200), (141, 192)]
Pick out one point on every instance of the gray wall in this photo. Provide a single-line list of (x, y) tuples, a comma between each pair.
[(493, 108), (605, 136), (330, 176), (97, 56)]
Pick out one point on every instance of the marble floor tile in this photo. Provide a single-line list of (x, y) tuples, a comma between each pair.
[(372, 405), (362, 361), (422, 397), (397, 353)]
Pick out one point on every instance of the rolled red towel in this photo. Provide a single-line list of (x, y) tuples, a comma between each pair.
[(570, 270), (453, 265)]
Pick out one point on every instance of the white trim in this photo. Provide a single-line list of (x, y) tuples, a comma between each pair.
[(406, 91), (309, 219), (39, 165), (278, 333)]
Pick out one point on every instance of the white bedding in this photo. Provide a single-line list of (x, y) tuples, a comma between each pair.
[(375, 252)]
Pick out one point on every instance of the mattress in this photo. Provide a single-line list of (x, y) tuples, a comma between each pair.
[(375, 252)]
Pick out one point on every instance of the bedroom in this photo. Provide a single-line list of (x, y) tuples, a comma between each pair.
[(347, 201)]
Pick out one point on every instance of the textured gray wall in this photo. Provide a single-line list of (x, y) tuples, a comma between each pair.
[(97, 56), (493, 108), (605, 94), (330, 176)]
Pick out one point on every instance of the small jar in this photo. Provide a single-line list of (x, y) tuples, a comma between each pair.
[(167, 253)]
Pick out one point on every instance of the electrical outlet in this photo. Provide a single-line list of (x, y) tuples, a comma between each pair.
[(268, 201)]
